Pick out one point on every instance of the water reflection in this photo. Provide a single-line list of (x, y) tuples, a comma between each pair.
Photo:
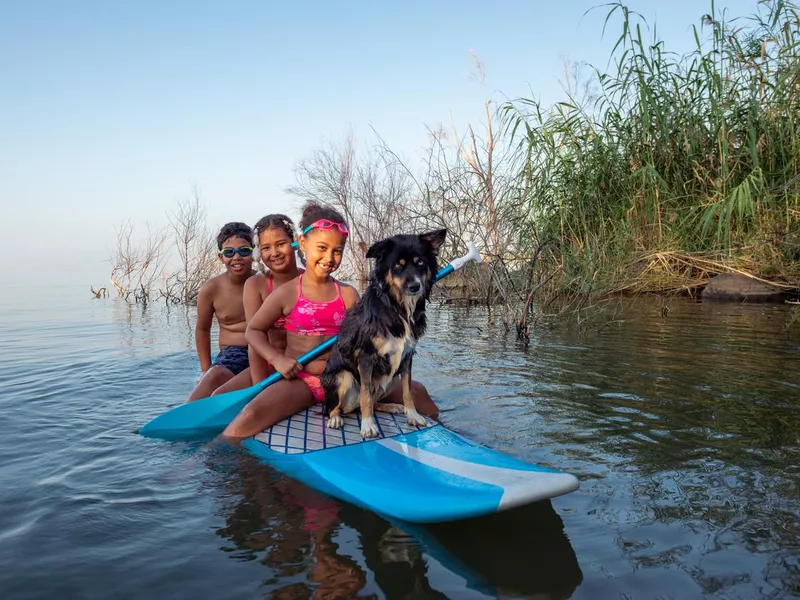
[(146, 324), (314, 547), (520, 552), (289, 529)]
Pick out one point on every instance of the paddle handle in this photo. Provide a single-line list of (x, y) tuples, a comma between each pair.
[(315, 353), (458, 263)]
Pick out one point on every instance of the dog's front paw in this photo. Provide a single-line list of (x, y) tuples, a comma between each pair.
[(369, 429), (335, 422), (414, 418)]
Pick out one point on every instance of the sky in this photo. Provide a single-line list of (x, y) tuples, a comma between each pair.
[(115, 110)]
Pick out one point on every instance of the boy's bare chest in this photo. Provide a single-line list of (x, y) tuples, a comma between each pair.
[(230, 315), (229, 307)]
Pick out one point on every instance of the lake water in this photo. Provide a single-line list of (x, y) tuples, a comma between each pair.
[(683, 430)]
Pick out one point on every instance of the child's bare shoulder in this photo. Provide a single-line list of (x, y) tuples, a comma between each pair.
[(285, 295), (287, 290), (210, 286), (346, 286), (256, 282), (214, 287), (349, 293)]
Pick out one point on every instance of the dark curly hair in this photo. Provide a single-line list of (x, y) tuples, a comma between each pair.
[(313, 211), (278, 221), (233, 229)]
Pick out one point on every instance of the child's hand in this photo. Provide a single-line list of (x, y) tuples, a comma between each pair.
[(288, 367)]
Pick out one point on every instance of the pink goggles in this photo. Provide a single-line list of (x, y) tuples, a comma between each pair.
[(327, 224)]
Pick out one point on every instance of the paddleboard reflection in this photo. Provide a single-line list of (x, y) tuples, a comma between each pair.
[(319, 547)]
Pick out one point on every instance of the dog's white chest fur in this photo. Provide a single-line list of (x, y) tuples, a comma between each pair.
[(394, 349)]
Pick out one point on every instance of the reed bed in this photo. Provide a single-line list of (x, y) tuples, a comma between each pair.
[(667, 169)]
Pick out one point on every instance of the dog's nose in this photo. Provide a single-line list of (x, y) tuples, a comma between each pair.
[(413, 287)]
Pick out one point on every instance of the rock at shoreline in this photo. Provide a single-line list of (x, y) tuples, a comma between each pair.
[(732, 287)]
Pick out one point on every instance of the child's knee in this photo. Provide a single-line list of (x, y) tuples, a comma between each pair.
[(254, 409), (243, 424), (422, 400), (418, 390), (217, 375)]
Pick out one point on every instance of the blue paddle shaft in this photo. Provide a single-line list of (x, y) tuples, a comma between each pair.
[(444, 272)]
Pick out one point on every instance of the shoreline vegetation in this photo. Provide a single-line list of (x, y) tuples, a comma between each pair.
[(653, 175)]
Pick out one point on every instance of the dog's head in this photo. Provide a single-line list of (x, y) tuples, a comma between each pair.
[(405, 265)]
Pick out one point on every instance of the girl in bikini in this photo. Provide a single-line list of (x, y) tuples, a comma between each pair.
[(273, 235), (313, 306)]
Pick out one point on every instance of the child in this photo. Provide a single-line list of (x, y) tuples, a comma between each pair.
[(313, 306), (274, 235), (222, 296)]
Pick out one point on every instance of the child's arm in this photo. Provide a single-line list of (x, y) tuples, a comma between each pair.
[(251, 298), (260, 324), (202, 330)]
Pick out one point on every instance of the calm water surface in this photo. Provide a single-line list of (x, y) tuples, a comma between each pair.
[(682, 429)]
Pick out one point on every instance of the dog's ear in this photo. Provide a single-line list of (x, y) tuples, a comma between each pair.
[(434, 239), (379, 248)]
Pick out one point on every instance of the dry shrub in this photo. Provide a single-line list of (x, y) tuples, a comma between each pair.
[(141, 269)]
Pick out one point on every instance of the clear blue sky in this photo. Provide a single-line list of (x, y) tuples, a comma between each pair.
[(111, 110)]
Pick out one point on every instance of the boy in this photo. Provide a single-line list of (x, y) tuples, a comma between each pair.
[(223, 296)]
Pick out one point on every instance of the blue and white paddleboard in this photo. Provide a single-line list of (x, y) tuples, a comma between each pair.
[(424, 475)]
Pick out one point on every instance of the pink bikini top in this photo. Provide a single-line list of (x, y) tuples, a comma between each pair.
[(316, 318)]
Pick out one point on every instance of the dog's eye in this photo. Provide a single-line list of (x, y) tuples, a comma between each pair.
[(420, 261)]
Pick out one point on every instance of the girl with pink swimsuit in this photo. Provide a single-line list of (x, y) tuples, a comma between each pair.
[(313, 306), (315, 319)]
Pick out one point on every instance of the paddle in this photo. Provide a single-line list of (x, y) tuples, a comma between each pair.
[(211, 415)]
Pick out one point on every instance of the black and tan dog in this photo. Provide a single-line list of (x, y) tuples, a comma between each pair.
[(378, 335)]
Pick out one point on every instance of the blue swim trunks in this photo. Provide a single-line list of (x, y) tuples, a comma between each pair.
[(233, 358)]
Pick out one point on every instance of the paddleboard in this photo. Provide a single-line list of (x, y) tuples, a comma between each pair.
[(419, 475)]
